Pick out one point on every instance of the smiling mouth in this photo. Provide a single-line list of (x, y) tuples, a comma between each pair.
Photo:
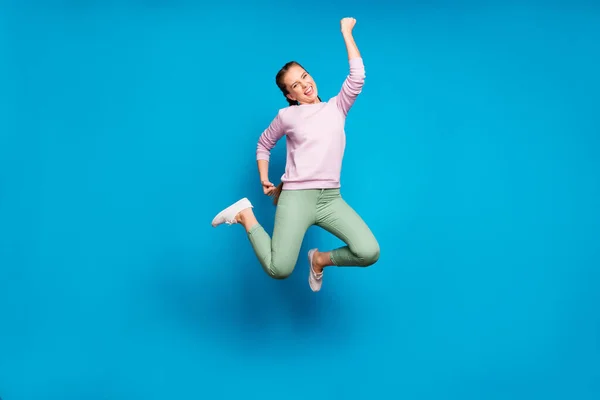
[(309, 91)]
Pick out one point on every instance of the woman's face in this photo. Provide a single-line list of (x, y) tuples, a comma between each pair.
[(300, 86)]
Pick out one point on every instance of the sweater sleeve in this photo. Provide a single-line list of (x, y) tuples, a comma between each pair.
[(269, 138), (352, 86)]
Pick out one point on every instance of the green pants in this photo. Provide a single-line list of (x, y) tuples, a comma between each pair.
[(298, 210)]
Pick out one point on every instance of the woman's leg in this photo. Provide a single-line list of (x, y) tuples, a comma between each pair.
[(338, 218), (294, 215)]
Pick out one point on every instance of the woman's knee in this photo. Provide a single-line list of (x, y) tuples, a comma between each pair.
[(368, 254), (281, 270)]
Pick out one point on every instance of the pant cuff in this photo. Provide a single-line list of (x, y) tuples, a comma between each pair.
[(253, 229), (332, 258)]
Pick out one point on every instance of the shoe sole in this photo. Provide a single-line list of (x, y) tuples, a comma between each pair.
[(310, 257)]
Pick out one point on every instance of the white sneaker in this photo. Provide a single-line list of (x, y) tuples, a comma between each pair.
[(227, 216), (314, 280)]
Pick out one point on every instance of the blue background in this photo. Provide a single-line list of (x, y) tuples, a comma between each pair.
[(472, 153)]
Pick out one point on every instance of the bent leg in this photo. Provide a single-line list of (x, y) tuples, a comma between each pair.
[(362, 248), (295, 214)]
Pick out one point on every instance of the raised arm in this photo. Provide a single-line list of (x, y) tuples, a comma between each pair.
[(355, 80), (266, 142)]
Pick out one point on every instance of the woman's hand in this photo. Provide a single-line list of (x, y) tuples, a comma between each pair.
[(268, 188), (347, 24)]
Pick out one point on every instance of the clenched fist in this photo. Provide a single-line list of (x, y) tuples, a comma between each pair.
[(268, 188), (347, 24)]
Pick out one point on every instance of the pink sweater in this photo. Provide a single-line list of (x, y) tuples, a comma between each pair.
[(315, 136)]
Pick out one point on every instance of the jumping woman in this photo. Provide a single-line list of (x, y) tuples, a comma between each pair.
[(309, 193)]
